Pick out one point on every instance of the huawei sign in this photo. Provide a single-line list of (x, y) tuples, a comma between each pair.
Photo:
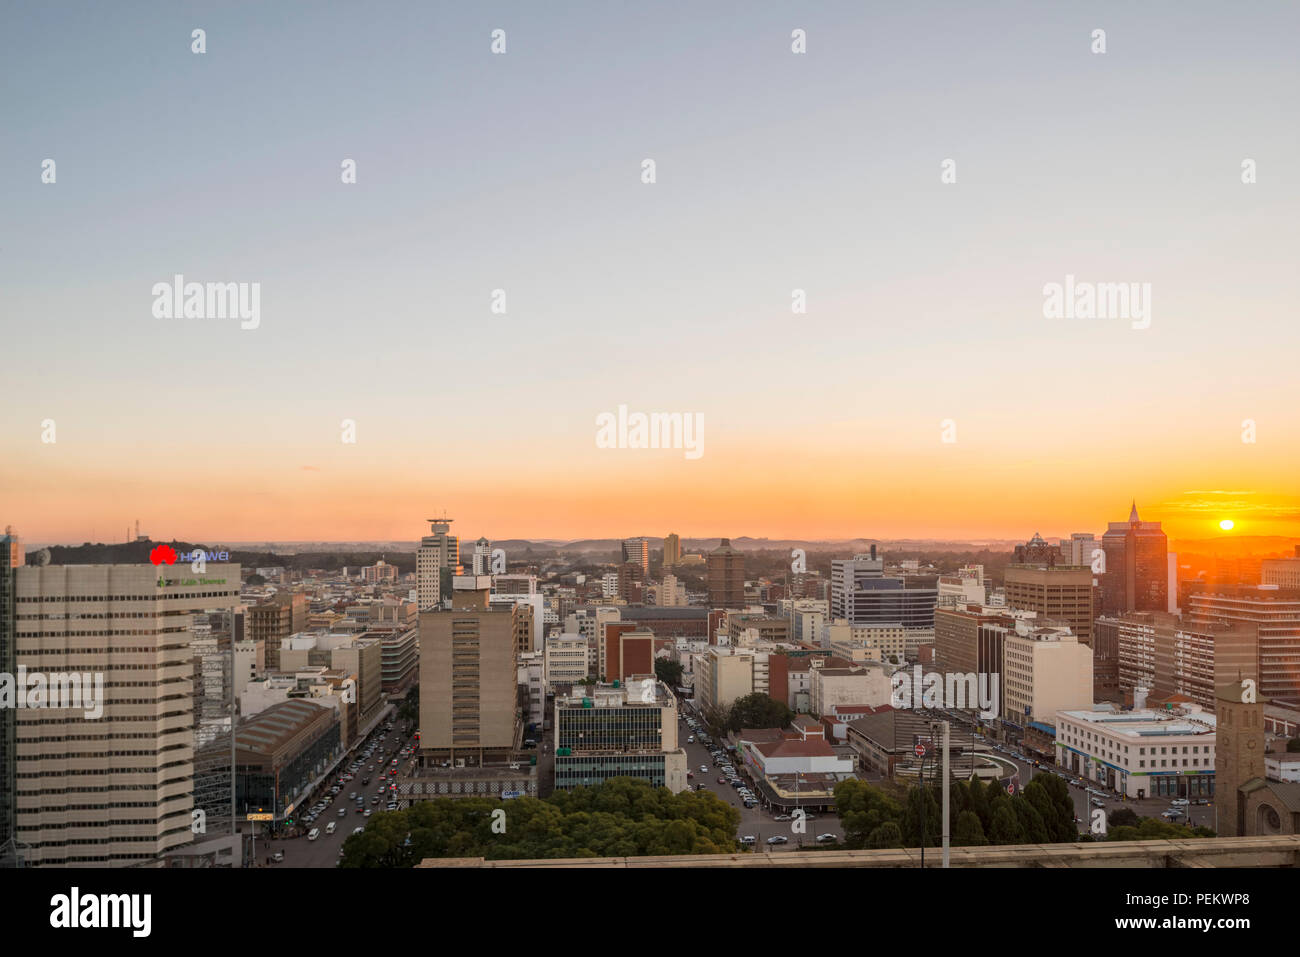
[(163, 555)]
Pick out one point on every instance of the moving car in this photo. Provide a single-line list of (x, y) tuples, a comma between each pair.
[(358, 830), (783, 817), (331, 827), (369, 811), (313, 834), (1180, 802), (343, 812), (826, 838), (704, 769), (391, 806), (747, 839), (779, 839), (1096, 802), (1172, 814), (277, 857)]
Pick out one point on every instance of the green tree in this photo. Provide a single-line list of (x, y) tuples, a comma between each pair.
[(1030, 821), (888, 834), (1005, 829), (1122, 817), (919, 809), (668, 671), (862, 809), (1050, 796), (758, 710), (968, 831)]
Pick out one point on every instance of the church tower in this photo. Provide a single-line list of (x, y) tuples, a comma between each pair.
[(1238, 750)]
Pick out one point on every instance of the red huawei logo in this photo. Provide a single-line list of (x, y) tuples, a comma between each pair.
[(163, 554)]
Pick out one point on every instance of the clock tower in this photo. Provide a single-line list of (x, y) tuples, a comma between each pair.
[(1238, 750)]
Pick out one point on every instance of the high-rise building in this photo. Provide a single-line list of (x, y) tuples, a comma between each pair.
[(1078, 549), (112, 784), (1283, 572), (726, 576), (847, 576), (637, 550), (1136, 577), (628, 730), (861, 596), (1044, 670), (437, 560), (482, 561), (672, 550), (468, 675), (11, 549), (1274, 613), (956, 637), (273, 620), (1059, 592)]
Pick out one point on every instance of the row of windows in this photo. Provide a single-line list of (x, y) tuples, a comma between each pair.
[(166, 595)]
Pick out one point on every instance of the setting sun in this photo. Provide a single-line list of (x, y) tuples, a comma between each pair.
[(1226, 525)]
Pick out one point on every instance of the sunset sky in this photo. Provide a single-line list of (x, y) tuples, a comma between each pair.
[(775, 172)]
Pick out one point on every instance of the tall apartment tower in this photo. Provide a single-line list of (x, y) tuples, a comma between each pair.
[(672, 549), (468, 675), (637, 550), (437, 560), (1137, 567), (113, 784), (726, 576)]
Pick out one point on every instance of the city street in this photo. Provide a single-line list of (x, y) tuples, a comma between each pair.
[(324, 851)]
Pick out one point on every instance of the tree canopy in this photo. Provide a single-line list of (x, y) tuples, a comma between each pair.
[(623, 817)]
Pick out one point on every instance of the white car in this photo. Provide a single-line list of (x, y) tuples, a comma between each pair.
[(1180, 802), (313, 834), (747, 839)]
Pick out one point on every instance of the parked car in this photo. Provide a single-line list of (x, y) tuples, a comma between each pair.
[(747, 839), (391, 806), (369, 811), (783, 817), (1096, 802)]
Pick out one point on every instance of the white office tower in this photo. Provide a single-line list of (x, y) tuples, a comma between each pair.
[(438, 558)]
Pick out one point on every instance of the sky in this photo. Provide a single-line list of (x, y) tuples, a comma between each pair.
[(923, 393)]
